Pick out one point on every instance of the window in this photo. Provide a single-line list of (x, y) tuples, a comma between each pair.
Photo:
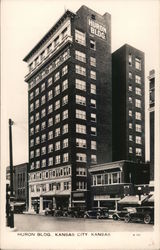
[(130, 75), (80, 37), (93, 44), (57, 76), (80, 129), (80, 56), (37, 164), (93, 103), (93, 74), (43, 163), (65, 129), (130, 112), (57, 159), (56, 41), (49, 48), (138, 63), (50, 122), (130, 150), (50, 135), (80, 114), (31, 154), (81, 171), (57, 145), (31, 66), (31, 96), (57, 118), (43, 99), (65, 157), (80, 85), (130, 125), (65, 100), (92, 61), (57, 62), (64, 70), (137, 79), (58, 186), (43, 113), (80, 100), (31, 131), (80, 143), (31, 119), (93, 145), (130, 88), (50, 109), (81, 157), (81, 185), (43, 125), (57, 105), (64, 33), (57, 90), (138, 152), (50, 148), (66, 185), (138, 128), (50, 161), (138, 116), (43, 150), (65, 114), (31, 107), (37, 116), (138, 103), (32, 166), (80, 70), (50, 95), (93, 117), (130, 138), (138, 140), (43, 138), (37, 103), (130, 99), (93, 159), (130, 59), (138, 91), (37, 140), (65, 143), (49, 81), (57, 132), (93, 131), (93, 89), (42, 55), (32, 143), (65, 84)]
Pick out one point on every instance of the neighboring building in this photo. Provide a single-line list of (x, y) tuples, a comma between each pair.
[(128, 104), (151, 78), (70, 108), (20, 182), (112, 181)]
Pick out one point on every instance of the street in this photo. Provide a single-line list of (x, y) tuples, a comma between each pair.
[(40, 223)]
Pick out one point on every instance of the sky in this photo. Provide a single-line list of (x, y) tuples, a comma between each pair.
[(24, 23)]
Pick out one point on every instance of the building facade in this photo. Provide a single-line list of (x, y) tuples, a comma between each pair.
[(70, 108), (20, 182), (128, 104), (151, 79), (110, 182)]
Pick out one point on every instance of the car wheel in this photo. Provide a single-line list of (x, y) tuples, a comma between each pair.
[(127, 219), (85, 216), (115, 217), (98, 217), (147, 219)]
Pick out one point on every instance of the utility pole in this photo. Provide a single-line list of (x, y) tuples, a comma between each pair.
[(11, 173)]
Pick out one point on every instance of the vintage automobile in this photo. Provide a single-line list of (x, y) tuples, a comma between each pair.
[(98, 213), (145, 214), (75, 212), (120, 215), (49, 211)]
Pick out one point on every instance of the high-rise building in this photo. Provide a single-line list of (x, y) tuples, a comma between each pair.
[(70, 108), (151, 78), (128, 104)]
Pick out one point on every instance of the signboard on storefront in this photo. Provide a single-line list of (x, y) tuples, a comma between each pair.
[(97, 29)]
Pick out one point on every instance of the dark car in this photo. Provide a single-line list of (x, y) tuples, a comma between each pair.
[(145, 214), (75, 212), (97, 214), (18, 208), (49, 211), (120, 215)]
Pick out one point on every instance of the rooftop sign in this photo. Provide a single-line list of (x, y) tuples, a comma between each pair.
[(97, 29)]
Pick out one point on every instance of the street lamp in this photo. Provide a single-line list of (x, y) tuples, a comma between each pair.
[(139, 192)]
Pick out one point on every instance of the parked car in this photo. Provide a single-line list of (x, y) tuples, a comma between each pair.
[(76, 212), (49, 211), (97, 214), (18, 208), (145, 214), (58, 213), (122, 213)]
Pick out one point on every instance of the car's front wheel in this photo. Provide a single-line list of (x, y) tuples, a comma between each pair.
[(115, 217), (85, 216), (147, 219), (127, 219)]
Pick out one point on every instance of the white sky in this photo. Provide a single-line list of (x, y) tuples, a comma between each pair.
[(23, 25)]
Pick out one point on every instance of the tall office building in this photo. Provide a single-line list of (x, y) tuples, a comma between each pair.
[(70, 108), (128, 104), (151, 78)]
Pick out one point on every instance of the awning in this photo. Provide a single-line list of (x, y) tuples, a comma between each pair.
[(19, 203), (151, 199), (133, 199), (56, 193), (78, 201)]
